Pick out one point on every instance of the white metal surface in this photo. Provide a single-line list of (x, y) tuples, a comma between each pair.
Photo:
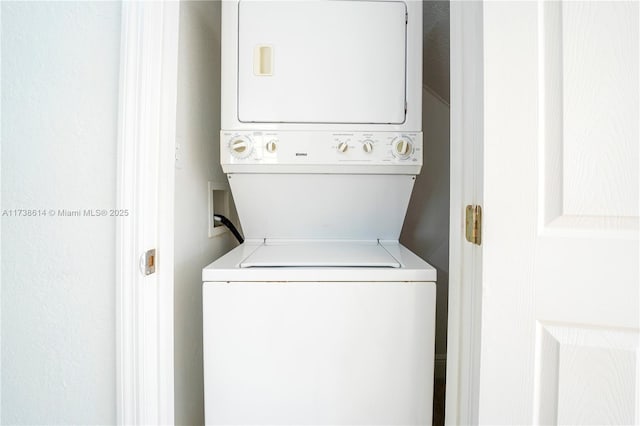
[(337, 254), (313, 320), (412, 268), (303, 353), (321, 62), (322, 81), (373, 165), (560, 302), (319, 206)]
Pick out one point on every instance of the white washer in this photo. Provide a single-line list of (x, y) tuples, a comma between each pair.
[(319, 333)]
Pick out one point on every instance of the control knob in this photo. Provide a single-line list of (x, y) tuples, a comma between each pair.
[(241, 146), (367, 146), (402, 148), (272, 146), (343, 147)]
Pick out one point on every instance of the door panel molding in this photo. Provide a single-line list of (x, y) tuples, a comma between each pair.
[(615, 227), (550, 135), (600, 108), (575, 356), (576, 160)]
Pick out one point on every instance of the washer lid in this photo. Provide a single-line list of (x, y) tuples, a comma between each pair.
[(321, 254), (227, 268)]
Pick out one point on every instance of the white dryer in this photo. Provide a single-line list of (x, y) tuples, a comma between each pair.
[(320, 316)]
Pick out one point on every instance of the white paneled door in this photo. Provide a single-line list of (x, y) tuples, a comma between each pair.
[(560, 300)]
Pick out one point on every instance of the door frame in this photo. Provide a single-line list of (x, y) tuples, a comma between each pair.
[(466, 173), (145, 190)]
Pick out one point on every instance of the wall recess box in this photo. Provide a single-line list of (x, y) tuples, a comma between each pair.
[(219, 203)]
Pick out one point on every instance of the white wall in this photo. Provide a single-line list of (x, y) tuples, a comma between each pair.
[(60, 64), (426, 227), (198, 131)]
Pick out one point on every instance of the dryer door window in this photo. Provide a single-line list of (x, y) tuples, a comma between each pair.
[(322, 61)]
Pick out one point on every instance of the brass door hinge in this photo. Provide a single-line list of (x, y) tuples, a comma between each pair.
[(473, 224)]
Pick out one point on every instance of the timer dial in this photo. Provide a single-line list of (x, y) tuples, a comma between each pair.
[(402, 148), (241, 146)]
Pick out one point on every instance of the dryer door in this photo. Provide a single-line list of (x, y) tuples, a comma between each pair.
[(322, 61)]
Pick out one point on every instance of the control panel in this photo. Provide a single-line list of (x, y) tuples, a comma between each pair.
[(320, 148)]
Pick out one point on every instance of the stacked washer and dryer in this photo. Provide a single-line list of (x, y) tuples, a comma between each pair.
[(320, 316)]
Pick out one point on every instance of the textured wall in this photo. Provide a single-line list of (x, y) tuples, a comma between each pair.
[(198, 127), (59, 130), (436, 47)]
